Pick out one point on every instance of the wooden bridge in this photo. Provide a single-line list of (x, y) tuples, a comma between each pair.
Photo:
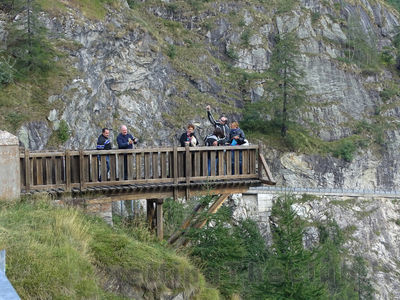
[(98, 177)]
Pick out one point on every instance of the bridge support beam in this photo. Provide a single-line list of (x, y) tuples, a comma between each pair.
[(10, 187)]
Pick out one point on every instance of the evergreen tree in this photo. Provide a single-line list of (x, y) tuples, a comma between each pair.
[(288, 94), (27, 44), (292, 272)]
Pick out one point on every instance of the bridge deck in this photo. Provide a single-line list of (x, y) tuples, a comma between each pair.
[(142, 170)]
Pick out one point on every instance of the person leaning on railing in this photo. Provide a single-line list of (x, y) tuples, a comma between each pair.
[(236, 137), (104, 143), (189, 137), (126, 140)]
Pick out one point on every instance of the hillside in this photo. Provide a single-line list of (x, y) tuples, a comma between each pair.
[(55, 253)]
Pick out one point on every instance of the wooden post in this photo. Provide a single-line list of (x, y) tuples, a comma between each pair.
[(259, 161), (27, 171), (67, 171), (160, 221), (150, 212), (175, 172), (81, 170), (188, 164)]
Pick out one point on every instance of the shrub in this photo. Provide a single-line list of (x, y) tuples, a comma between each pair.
[(63, 131), (171, 51), (345, 150), (231, 53), (6, 72)]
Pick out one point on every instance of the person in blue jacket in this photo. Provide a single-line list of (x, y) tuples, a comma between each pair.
[(104, 143), (125, 140)]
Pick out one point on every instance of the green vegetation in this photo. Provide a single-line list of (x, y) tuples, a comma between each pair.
[(235, 258), (59, 253), (360, 47), (287, 93), (63, 131)]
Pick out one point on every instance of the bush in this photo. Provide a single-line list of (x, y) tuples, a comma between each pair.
[(6, 71), (63, 131), (345, 150), (171, 52)]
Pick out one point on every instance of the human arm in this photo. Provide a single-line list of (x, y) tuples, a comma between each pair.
[(211, 118)]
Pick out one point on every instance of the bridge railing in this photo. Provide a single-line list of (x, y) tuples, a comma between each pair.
[(44, 170)]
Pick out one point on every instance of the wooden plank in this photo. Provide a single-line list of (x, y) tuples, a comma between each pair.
[(252, 163), (266, 168), (204, 163), (49, 169), (59, 170), (120, 166), (221, 170), (228, 162), (28, 174), (188, 164), (175, 165), (95, 168), (130, 166), (138, 166), (213, 209), (103, 168), (160, 221), (154, 164), (39, 170), (67, 171), (113, 167), (75, 166), (236, 163), (147, 165), (197, 163), (82, 170), (245, 161), (163, 164), (212, 163)]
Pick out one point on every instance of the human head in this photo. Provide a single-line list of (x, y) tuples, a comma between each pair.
[(223, 119), (190, 128), (105, 132), (123, 130), (235, 125), (218, 132)]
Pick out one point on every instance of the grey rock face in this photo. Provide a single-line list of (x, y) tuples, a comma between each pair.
[(35, 135), (375, 231)]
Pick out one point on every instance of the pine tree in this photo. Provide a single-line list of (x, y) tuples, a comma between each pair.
[(291, 271), (27, 43), (288, 94)]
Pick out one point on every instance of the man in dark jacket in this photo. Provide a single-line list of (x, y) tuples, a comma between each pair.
[(103, 143), (125, 140), (222, 123)]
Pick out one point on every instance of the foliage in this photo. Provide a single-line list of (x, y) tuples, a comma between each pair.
[(287, 93), (360, 47), (345, 150), (245, 37), (6, 71), (59, 253), (232, 54), (292, 271), (63, 131), (171, 51)]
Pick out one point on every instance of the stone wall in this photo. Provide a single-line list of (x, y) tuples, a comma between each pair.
[(9, 166)]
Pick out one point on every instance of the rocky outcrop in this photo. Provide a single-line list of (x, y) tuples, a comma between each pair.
[(373, 225)]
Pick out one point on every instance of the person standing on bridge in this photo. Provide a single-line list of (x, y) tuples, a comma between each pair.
[(104, 143), (222, 123), (189, 137), (125, 140)]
